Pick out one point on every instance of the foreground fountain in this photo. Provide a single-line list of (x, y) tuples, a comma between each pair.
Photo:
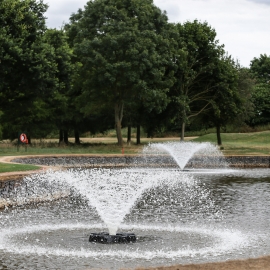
[(165, 209)]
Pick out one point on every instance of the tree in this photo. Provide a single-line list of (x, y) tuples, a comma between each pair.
[(27, 68), (124, 50), (260, 70), (260, 67), (226, 103), (196, 55), (61, 101), (245, 90)]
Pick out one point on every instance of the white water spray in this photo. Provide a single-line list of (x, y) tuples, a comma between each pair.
[(183, 152), (111, 192)]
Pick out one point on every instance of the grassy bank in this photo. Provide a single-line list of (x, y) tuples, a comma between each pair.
[(101, 146), (104, 145), (256, 143), (16, 167)]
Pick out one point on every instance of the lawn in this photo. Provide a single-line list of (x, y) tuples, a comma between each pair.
[(105, 145), (257, 143), (5, 167)]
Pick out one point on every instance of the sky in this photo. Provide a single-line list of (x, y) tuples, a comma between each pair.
[(243, 26)]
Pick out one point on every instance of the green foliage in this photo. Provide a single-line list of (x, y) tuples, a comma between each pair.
[(120, 63), (196, 55), (59, 101), (27, 67), (260, 69), (124, 52), (261, 102), (245, 89), (226, 102)]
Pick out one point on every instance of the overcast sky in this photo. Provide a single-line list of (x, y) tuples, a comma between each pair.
[(243, 26)]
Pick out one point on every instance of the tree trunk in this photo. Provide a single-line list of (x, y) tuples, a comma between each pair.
[(118, 114), (66, 137), (138, 135), (218, 135), (184, 115), (129, 134), (77, 137), (183, 131), (61, 136)]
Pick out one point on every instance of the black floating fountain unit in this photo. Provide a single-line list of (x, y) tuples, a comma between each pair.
[(119, 238)]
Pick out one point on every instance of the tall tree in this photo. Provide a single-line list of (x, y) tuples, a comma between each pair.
[(260, 67), (27, 68), (260, 70), (226, 103), (195, 56), (61, 101), (245, 86), (124, 50)]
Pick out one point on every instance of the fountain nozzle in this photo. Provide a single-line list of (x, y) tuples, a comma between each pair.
[(119, 238)]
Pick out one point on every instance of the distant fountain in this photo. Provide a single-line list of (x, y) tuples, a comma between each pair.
[(180, 212), (206, 154)]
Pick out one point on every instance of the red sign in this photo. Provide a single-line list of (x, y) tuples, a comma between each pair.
[(23, 138)]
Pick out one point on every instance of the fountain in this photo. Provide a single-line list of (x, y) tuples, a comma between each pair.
[(207, 154), (148, 214)]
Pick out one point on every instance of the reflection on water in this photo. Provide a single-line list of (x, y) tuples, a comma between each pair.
[(208, 216)]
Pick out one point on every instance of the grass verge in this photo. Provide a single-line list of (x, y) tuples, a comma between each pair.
[(254, 143), (104, 145), (4, 167)]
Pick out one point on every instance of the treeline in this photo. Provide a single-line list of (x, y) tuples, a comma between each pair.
[(120, 63)]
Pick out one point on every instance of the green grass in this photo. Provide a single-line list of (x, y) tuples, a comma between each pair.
[(101, 146), (254, 143), (105, 145), (16, 167)]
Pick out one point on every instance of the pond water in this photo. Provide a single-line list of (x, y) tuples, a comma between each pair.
[(182, 217)]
